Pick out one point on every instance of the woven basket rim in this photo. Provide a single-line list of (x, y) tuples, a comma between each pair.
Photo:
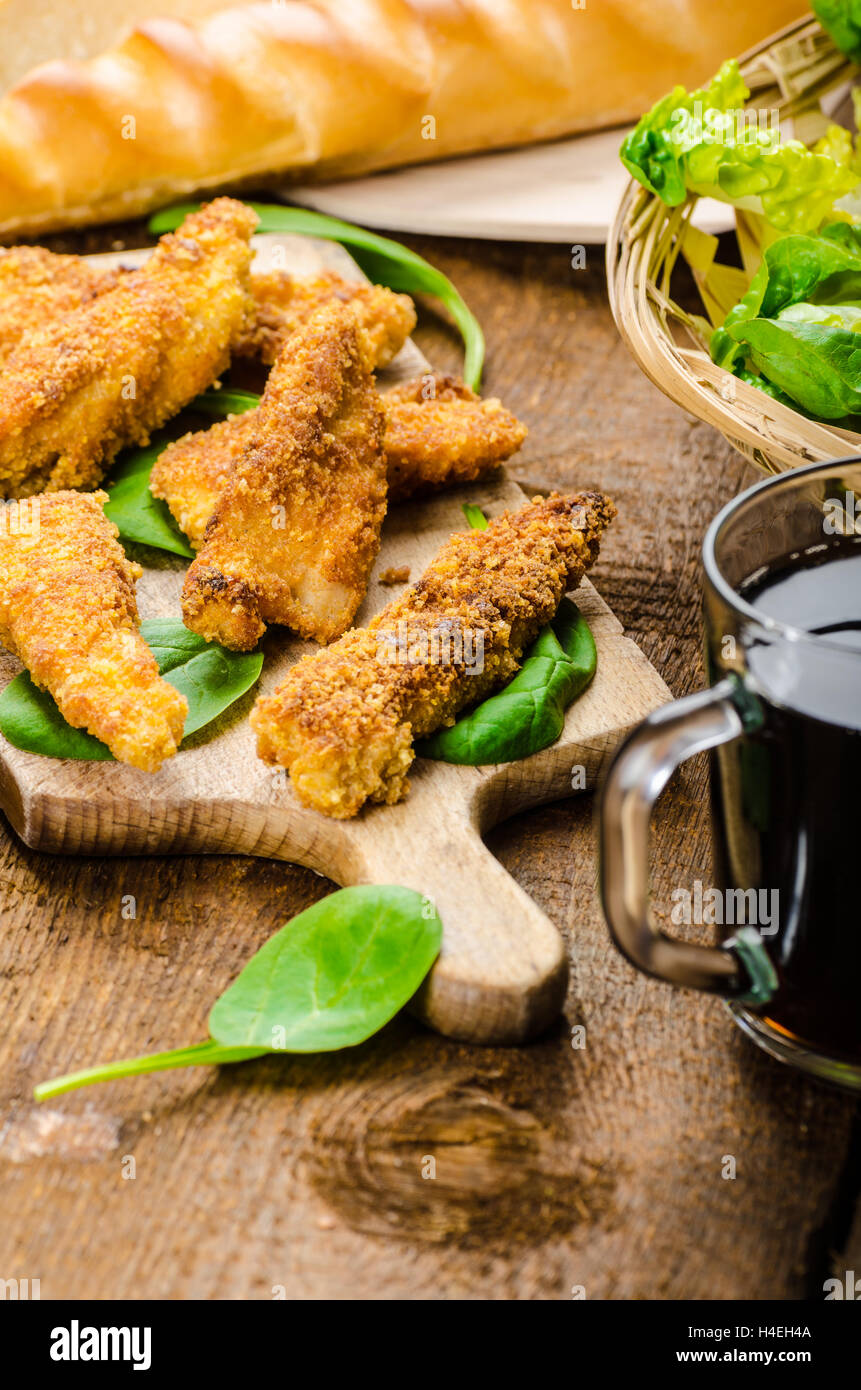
[(643, 245)]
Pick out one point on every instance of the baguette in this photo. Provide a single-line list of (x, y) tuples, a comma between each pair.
[(35, 31), (323, 88)]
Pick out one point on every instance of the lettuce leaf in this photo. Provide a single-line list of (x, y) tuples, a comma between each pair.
[(845, 316), (815, 363), (842, 19), (705, 142), (824, 268), (769, 390), (799, 323)]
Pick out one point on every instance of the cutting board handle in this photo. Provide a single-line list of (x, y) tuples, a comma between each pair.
[(503, 972)]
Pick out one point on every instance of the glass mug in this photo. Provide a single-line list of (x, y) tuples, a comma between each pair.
[(783, 720)]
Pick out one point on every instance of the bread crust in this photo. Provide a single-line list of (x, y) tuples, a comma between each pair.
[(328, 88)]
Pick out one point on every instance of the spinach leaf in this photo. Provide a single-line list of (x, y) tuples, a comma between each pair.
[(384, 261), (475, 516), (329, 979), (137, 515), (529, 713), (768, 389), (29, 719), (210, 678), (226, 401), (334, 975), (825, 269)]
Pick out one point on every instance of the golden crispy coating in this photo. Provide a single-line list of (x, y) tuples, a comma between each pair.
[(344, 719), (190, 475), (68, 612), (439, 433), (296, 528), (430, 442), (284, 302), (110, 372), (37, 287)]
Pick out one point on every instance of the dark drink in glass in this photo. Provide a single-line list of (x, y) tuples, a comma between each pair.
[(782, 620)]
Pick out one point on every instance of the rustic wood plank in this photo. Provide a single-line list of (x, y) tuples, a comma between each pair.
[(556, 1166)]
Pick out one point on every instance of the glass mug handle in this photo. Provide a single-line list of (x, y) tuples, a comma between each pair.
[(740, 969)]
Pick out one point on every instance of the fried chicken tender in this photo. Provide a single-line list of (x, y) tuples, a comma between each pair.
[(439, 433), (68, 611), (37, 286), (344, 719), (284, 302), (296, 529), (431, 441), (110, 372)]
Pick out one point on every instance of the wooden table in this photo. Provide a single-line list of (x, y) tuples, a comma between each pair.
[(556, 1167)]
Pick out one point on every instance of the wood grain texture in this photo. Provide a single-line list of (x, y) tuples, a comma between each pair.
[(597, 1166)]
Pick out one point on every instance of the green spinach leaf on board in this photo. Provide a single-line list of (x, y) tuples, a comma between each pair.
[(210, 677), (384, 261), (330, 978), (137, 515), (225, 401), (529, 714), (29, 719), (475, 516)]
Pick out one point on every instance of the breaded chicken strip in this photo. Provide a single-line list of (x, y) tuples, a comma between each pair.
[(344, 719), (438, 434), (68, 612), (106, 375), (38, 287), (284, 302), (296, 528)]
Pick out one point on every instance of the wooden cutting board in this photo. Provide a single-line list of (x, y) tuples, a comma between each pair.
[(502, 973)]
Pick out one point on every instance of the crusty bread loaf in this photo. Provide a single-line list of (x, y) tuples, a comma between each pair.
[(35, 31), (317, 88)]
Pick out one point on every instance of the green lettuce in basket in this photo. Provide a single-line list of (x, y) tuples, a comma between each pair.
[(842, 19), (706, 143), (799, 324)]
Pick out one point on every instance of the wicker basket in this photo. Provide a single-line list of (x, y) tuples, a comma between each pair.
[(791, 73)]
